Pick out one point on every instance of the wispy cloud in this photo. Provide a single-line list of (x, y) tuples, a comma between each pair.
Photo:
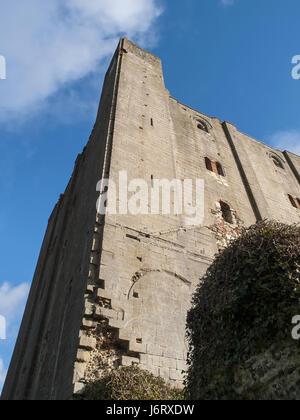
[(12, 301), (61, 42), (2, 374), (286, 140)]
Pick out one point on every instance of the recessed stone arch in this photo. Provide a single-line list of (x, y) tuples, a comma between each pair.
[(159, 302), (203, 124), (277, 160)]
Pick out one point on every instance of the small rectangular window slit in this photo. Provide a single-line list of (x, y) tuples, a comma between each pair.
[(133, 237), (101, 284)]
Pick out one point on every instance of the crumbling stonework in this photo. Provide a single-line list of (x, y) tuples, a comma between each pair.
[(225, 232), (125, 281)]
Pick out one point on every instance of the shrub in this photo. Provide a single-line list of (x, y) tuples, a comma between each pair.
[(243, 308), (131, 383)]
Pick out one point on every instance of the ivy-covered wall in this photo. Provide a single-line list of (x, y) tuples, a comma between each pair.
[(240, 325)]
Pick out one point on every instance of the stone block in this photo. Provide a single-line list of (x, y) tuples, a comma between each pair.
[(175, 375), (157, 361), (79, 371), (105, 313), (181, 365), (88, 343), (169, 363), (115, 323), (89, 309), (83, 356), (164, 373), (137, 347), (102, 293), (154, 350), (130, 361), (79, 388), (145, 359), (87, 324)]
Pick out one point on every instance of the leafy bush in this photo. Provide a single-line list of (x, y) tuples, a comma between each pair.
[(244, 304), (131, 383)]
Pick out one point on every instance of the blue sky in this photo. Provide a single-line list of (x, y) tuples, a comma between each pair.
[(229, 59)]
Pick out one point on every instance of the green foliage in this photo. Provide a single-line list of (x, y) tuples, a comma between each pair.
[(131, 383), (244, 304)]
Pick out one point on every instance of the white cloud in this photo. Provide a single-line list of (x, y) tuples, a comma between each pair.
[(3, 373), (48, 44), (286, 140), (12, 300)]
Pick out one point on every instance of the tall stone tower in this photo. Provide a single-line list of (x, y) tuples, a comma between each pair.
[(114, 290)]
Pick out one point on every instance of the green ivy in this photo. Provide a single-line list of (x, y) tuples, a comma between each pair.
[(243, 305)]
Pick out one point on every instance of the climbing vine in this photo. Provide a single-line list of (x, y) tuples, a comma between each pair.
[(243, 305)]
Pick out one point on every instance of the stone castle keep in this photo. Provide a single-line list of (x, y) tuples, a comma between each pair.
[(115, 290)]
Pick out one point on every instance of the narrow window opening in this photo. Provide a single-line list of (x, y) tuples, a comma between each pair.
[(208, 164), (152, 123), (215, 167), (220, 169), (135, 295), (152, 181), (102, 284), (135, 238), (139, 341), (294, 201), (226, 212)]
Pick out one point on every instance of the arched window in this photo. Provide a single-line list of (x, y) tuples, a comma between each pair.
[(202, 126), (226, 212), (277, 162)]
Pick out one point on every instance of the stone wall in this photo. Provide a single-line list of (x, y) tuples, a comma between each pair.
[(115, 291), (151, 264), (42, 365)]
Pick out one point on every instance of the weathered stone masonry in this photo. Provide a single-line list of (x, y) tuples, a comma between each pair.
[(115, 291)]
